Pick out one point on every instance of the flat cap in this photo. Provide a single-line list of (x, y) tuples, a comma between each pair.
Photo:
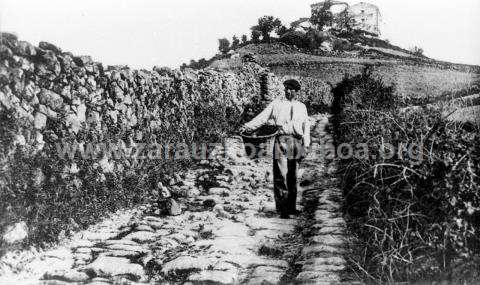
[(292, 84)]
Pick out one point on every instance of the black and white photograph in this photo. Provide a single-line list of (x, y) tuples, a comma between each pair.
[(239, 142)]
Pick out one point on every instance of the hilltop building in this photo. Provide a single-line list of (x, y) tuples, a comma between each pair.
[(366, 17)]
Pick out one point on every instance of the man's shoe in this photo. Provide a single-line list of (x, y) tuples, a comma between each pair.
[(284, 216), (295, 212)]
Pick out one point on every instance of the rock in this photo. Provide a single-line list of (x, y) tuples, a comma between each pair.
[(325, 264), (8, 38), (49, 46), (142, 236), (95, 236), (178, 237), (82, 60), (187, 264), (170, 207), (59, 253), (144, 228), (327, 46), (82, 243), (40, 121), (83, 250), (121, 253), (66, 275), (329, 240), (209, 203), (50, 99), (15, 233), (99, 281), (270, 249), (215, 277), (220, 211), (224, 192), (5, 52), (231, 229), (126, 247), (106, 266)]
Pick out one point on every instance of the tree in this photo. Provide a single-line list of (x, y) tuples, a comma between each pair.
[(344, 21), (418, 51), (281, 30), (235, 42), (256, 36), (244, 39), (223, 45), (323, 17), (295, 38), (266, 25)]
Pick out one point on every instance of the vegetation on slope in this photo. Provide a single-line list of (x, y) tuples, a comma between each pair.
[(414, 211)]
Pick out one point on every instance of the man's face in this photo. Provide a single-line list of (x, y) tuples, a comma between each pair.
[(290, 93)]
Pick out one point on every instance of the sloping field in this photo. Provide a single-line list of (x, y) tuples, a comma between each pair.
[(418, 80), (468, 114), (412, 81)]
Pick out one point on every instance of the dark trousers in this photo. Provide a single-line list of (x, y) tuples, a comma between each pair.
[(288, 151)]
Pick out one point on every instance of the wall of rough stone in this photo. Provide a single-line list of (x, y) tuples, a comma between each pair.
[(49, 98), (414, 82)]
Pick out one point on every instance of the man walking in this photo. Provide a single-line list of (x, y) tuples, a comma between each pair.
[(291, 118)]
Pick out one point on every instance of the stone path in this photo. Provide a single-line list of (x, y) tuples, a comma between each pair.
[(323, 254), (227, 233)]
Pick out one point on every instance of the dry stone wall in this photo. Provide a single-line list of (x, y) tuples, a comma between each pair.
[(55, 106)]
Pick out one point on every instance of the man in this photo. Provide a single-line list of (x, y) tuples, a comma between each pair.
[(291, 118)]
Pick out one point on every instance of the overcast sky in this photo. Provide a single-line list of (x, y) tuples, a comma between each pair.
[(144, 33)]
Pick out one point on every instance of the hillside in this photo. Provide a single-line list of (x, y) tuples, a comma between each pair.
[(418, 80)]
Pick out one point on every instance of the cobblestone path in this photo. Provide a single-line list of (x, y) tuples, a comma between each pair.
[(227, 232)]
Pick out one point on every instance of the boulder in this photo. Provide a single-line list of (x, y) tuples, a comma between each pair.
[(66, 275), (218, 191), (15, 233), (215, 277), (175, 208), (82, 60), (49, 46), (40, 121), (5, 52), (51, 99), (142, 236), (8, 38), (185, 264), (107, 266)]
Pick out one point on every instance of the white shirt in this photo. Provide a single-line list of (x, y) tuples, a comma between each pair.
[(290, 117)]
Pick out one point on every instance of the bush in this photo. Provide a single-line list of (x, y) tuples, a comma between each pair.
[(223, 45), (418, 51), (296, 38), (363, 91), (414, 217)]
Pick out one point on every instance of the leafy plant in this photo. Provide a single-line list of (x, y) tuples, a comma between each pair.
[(414, 213), (223, 45)]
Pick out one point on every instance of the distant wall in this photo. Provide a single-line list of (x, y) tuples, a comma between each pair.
[(412, 81), (49, 98)]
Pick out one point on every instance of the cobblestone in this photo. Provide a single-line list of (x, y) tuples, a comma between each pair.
[(224, 235)]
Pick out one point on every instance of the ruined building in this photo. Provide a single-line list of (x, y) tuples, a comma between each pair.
[(366, 17)]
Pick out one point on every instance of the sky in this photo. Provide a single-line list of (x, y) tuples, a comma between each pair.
[(147, 33)]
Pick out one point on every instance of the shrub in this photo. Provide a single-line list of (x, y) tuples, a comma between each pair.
[(363, 91), (223, 45), (418, 51), (414, 217), (296, 38)]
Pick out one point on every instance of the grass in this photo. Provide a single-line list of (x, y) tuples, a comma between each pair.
[(414, 218)]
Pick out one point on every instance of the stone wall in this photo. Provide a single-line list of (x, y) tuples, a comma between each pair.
[(50, 99)]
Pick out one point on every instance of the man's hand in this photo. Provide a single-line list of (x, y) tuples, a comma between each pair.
[(243, 129)]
